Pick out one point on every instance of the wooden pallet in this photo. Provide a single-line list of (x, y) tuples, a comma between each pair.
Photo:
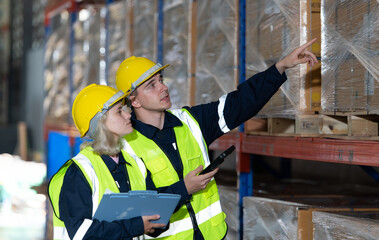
[(339, 125), (270, 126)]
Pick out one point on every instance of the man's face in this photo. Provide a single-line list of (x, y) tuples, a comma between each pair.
[(152, 95)]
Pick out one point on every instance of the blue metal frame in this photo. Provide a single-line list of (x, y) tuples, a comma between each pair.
[(245, 179), (242, 46), (160, 31)]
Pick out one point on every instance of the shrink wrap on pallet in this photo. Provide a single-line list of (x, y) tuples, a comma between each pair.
[(350, 56), (274, 29)]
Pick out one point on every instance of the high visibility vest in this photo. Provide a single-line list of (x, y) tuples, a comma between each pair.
[(99, 178), (193, 151)]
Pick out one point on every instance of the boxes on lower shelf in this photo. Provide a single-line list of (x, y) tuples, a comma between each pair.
[(266, 218), (229, 204), (346, 225)]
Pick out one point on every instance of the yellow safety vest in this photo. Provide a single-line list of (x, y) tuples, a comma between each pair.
[(99, 178), (193, 152)]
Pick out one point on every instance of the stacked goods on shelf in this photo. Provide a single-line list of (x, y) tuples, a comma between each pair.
[(198, 41), (144, 28), (229, 204), (96, 50), (346, 225), (56, 75), (269, 219), (117, 39), (175, 41), (266, 218), (86, 55), (350, 69), (274, 29), (216, 49), (350, 56)]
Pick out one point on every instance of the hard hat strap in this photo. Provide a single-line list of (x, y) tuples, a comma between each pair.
[(145, 75), (106, 107)]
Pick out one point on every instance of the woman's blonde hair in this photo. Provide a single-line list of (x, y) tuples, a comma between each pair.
[(104, 142)]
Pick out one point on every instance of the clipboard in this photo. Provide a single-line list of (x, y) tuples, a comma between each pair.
[(118, 206)]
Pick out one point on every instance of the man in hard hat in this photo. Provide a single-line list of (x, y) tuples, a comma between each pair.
[(173, 143)]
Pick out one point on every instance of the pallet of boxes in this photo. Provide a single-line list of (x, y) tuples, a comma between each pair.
[(315, 217), (337, 98)]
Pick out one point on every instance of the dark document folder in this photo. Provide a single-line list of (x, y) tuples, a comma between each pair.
[(117, 206)]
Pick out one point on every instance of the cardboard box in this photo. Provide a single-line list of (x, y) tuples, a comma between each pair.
[(274, 29), (350, 56)]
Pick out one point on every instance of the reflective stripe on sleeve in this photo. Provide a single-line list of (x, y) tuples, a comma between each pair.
[(220, 110), (83, 229)]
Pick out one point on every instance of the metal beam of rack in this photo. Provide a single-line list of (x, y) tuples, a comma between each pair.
[(354, 152)]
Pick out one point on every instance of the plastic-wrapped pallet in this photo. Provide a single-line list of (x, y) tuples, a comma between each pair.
[(346, 225), (274, 29), (229, 204), (216, 49), (117, 39), (290, 217), (350, 56), (57, 87), (266, 219), (144, 28), (86, 54), (175, 41)]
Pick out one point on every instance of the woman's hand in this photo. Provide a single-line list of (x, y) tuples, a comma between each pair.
[(195, 183), (149, 226), (298, 56)]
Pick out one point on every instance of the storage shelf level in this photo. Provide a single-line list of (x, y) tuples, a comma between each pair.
[(356, 152)]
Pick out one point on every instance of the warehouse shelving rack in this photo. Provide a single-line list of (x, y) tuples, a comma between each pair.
[(68, 135), (353, 152)]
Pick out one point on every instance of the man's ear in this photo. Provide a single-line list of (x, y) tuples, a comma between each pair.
[(134, 101)]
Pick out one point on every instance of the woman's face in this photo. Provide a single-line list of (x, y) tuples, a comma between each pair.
[(118, 120)]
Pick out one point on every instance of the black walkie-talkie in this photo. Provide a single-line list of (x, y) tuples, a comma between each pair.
[(220, 159)]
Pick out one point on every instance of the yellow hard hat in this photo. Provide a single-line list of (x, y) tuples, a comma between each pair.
[(133, 71), (90, 104)]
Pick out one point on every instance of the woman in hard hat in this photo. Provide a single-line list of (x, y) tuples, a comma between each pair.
[(76, 189)]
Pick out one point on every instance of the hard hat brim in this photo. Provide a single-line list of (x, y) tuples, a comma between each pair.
[(124, 95), (147, 78)]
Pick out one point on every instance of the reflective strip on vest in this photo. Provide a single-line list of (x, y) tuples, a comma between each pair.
[(141, 165), (87, 165), (195, 130), (186, 224), (220, 110), (83, 229), (60, 233)]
